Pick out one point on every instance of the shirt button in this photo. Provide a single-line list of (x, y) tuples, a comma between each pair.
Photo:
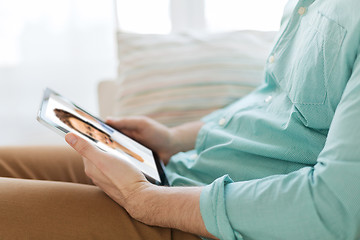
[(301, 11), (193, 157), (222, 122), (268, 99), (271, 59)]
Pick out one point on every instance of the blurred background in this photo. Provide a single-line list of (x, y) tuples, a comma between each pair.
[(69, 46)]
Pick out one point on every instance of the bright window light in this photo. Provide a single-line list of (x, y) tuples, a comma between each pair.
[(144, 16), (227, 15)]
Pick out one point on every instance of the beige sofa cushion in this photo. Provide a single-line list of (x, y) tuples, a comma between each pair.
[(181, 77)]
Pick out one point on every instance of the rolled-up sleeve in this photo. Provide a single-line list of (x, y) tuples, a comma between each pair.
[(320, 202), (212, 202)]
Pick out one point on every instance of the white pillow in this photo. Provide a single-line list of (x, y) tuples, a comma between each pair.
[(178, 78)]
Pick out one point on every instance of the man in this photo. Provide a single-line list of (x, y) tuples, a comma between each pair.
[(282, 163)]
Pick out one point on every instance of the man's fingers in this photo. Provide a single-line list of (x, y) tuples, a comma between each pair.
[(125, 123), (94, 166), (105, 163), (82, 146)]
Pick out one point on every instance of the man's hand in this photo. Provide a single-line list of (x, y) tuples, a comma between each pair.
[(153, 205), (116, 177), (159, 138), (148, 132)]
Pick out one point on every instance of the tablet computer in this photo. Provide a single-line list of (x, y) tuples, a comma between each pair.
[(63, 116)]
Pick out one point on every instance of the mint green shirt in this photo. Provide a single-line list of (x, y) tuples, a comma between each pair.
[(284, 162)]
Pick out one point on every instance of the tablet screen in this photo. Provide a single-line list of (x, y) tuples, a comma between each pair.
[(65, 116)]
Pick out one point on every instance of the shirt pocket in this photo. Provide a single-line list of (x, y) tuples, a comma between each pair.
[(306, 63)]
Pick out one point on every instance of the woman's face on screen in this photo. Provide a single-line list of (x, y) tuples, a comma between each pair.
[(90, 131)]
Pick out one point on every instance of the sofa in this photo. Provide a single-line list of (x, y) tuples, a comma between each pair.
[(178, 78)]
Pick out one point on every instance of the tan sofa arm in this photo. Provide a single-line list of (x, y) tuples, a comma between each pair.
[(106, 97)]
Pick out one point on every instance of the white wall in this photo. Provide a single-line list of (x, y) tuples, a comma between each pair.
[(67, 45)]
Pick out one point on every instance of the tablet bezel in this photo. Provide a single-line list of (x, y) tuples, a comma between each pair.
[(41, 117)]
